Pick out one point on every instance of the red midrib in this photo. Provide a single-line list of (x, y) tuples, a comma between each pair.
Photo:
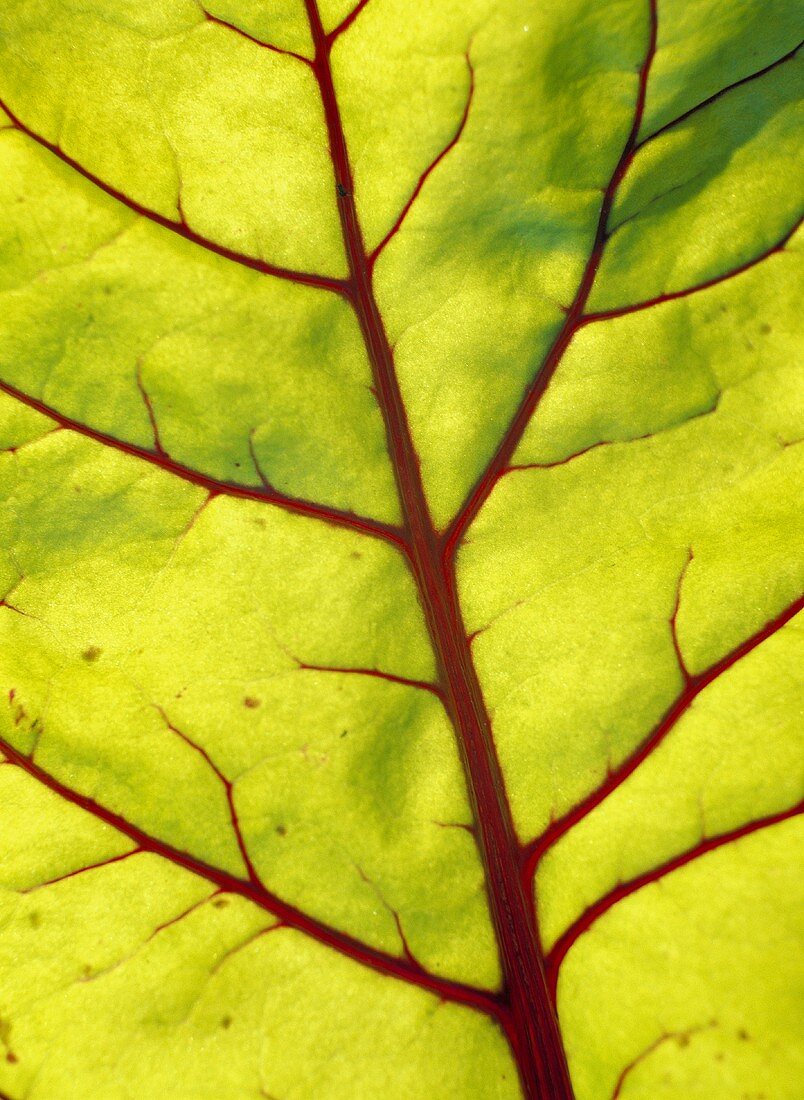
[(524, 1009), (534, 1034)]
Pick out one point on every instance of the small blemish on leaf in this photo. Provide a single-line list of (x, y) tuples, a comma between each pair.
[(345, 733), (342, 190), (259, 521), (355, 554), (12, 1057), (35, 918), (282, 830), (91, 653), (220, 903), (765, 328), (251, 702), (226, 1022), (743, 1034)]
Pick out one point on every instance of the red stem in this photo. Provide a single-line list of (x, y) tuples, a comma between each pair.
[(254, 891), (525, 1009), (505, 451), (255, 41), (534, 1035), (693, 687), (720, 93), (180, 227), (594, 912), (685, 292), (213, 486)]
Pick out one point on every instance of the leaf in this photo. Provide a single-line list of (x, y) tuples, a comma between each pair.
[(400, 563)]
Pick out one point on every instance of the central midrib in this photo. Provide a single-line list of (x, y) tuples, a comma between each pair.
[(535, 1036)]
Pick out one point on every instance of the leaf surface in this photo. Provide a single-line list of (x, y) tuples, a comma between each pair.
[(401, 562)]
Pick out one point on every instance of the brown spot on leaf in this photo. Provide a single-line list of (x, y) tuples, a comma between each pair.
[(220, 903), (282, 830), (35, 918), (91, 653), (251, 702), (226, 1022), (765, 328), (12, 1057), (743, 1034)]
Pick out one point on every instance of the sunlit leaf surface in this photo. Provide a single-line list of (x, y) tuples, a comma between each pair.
[(401, 549)]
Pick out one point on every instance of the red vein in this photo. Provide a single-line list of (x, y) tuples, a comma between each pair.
[(214, 486), (242, 946), (719, 94), (673, 295), (595, 911), (430, 168), (530, 402), (149, 408), (229, 792), (390, 677), (534, 1036), (682, 1037), (181, 228), (347, 945), (81, 871), (347, 22), (519, 467), (256, 41), (406, 951), (692, 689), (177, 919), (682, 664)]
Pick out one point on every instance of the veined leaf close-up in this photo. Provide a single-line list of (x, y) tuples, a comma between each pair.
[(402, 553)]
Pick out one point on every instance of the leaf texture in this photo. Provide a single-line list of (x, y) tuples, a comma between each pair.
[(401, 559)]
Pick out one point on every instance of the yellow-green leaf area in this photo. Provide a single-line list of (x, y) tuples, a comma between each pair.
[(704, 46), (401, 564), (473, 283), (95, 296), (710, 477), (711, 193), (638, 992), (733, 759), (134, 960), (181, 115), (281, 24), (256, 701)]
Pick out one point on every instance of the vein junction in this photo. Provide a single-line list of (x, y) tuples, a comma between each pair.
[(526, 1006)]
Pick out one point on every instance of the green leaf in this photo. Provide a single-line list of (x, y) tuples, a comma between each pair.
[(401, 565)]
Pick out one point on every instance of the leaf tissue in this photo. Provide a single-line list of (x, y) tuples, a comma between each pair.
[(401, 552)]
